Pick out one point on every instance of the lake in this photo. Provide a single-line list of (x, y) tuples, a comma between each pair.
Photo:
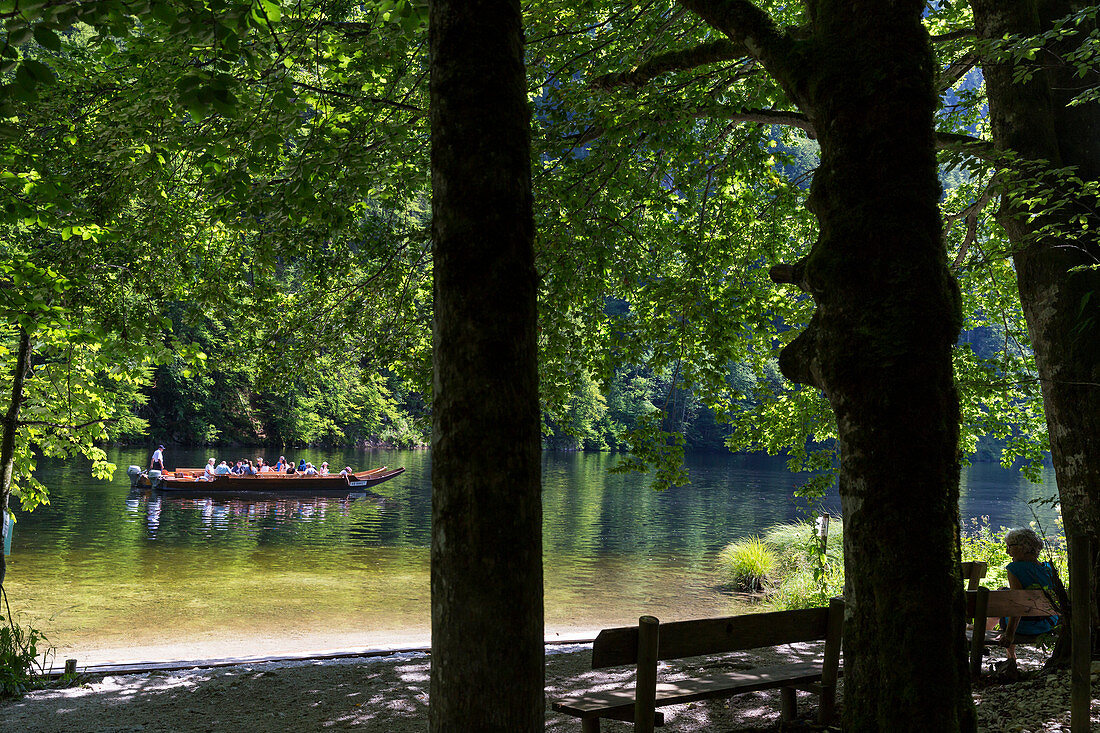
[(114, 575)]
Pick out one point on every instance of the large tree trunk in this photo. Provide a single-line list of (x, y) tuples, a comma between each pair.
[(879, 346), (486, 575), (10, 428), (1060, 302)]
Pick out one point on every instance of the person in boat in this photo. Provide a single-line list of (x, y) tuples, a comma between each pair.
[(223, 469), (324, 468), (301, 465), (209, 472), (290, 468), (262, 467), (247, 469), (157, 461), (346, 471), (310, 470), (280, 465)]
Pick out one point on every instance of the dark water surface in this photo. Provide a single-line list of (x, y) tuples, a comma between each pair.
[(114, 574)]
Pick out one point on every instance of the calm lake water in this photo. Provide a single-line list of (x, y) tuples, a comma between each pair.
[(112, 574)]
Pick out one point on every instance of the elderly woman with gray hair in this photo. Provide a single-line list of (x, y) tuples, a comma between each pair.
[(1026, 572)]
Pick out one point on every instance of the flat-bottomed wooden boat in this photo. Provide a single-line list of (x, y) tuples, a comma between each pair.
[(193, 479)]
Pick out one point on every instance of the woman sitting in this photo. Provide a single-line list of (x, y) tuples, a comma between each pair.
[(1025, 572)]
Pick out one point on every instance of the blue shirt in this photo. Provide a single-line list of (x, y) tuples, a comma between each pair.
[(1034, 576)]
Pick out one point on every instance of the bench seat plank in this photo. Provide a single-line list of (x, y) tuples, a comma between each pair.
[(700, 687)]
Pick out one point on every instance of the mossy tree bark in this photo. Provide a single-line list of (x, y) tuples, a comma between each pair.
[(879, 346), (1056, 258), (486, 574)]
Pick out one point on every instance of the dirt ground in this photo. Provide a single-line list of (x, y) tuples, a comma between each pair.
[(390, 695)]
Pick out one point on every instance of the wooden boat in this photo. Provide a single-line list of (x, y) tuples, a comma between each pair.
[(193, 480)]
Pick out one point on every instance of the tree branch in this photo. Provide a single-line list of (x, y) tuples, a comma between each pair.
[(60, 426), (750, 27), (356, 98), (957, 70), (965, 144), (690, 58)]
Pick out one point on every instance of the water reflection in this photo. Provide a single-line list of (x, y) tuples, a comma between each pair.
[(105, 565)]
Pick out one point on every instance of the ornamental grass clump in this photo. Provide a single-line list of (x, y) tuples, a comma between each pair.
[(748, 563)]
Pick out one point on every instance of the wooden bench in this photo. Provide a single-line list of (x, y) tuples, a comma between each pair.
[(973, 572), (650, 641), (983, 604)]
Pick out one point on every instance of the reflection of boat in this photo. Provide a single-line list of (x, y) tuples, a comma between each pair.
[(193, 480)]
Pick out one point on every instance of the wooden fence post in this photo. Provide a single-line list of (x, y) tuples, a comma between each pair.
[(645, 689), (1080, 694)]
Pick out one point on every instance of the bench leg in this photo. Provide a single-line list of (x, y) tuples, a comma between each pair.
[(590, 725), (827, 709), (788, 705)]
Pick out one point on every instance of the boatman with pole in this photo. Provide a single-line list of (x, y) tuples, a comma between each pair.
[(157, 461)]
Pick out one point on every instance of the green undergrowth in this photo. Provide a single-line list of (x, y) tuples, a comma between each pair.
[(982, 543), (21, 668), (790, 568), (799, 573), (748, 563)]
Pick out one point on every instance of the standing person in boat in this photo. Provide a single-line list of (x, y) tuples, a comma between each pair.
[(157, 461)]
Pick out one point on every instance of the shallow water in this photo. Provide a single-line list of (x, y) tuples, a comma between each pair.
[(114, 574)]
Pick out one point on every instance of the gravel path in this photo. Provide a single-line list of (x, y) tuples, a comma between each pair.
[(390, 695)]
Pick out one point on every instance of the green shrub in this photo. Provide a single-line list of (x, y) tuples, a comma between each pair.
[(20, 667), (748, 563), (980, 542)]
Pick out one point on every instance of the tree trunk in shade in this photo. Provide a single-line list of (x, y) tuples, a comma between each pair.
[(879, 346), (1056, 257), (486, 574), (10, 428)]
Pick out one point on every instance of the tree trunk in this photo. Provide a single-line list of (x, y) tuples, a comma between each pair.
[(486, 575), (11, 427), (879, 346), (1060, 302)]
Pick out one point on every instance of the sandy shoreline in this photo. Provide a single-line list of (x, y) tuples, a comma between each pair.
[(256, 647)]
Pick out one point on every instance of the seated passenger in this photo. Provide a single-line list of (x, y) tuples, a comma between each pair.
[(310, 470), (324, 468), (262, 467), (222, 469), (208, 472), (280, 465)]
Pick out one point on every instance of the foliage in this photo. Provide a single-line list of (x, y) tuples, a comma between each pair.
[(809, 575), (980, 542), (748, 563), (21, 667)]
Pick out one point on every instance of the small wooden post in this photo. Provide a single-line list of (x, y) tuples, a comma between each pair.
[(70, 667), (1080, 695), (823, 530), (830, 666), (977, 641), (645, 690)]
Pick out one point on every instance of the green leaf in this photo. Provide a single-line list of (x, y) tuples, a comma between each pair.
[(47, 38)]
